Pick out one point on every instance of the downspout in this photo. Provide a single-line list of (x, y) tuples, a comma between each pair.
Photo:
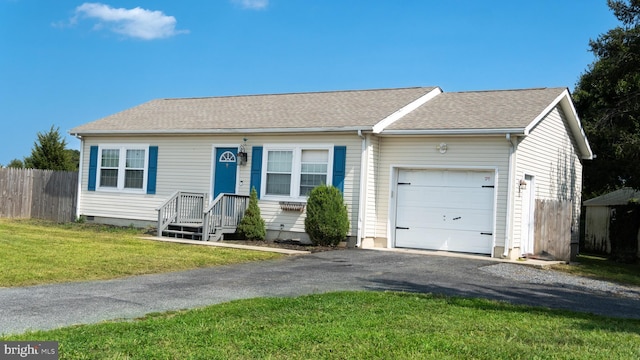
[(362, 195), (512, 170), (79, 175)]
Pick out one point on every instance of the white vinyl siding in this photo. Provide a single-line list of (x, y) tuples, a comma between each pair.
[(463, 153), (548, 154), (185, 163)]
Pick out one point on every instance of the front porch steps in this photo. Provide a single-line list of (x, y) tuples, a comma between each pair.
[(192, 231), (184, 231)]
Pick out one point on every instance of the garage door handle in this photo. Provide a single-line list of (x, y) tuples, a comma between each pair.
[(486, 233), (401, 228)]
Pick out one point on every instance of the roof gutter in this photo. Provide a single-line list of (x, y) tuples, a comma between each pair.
[(510, 182), (439, 132), (78, 202), (221, 131), (363, 173)]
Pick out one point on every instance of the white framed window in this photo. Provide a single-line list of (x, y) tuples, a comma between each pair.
[(291, 171), (122, 168)]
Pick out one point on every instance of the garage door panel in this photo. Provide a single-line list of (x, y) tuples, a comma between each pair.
[(445, 210), (465, 241), (471, 220), (415, 238), (418, 196), (446, 178)]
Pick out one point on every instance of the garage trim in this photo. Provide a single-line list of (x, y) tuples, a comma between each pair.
[(393, 190)]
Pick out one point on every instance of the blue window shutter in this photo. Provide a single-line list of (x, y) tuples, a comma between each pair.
[(339, 166), (153, 170), (93, 168), (256, 169)]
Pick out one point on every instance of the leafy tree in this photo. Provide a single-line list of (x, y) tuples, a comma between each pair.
[(16, 164), (48, 153), (74, 157), (252, 226), (607, 98)]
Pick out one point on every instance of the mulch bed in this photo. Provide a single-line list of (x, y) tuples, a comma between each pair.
[(284, 244)]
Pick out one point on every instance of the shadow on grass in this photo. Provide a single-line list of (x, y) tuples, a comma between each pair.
[(554, 301)]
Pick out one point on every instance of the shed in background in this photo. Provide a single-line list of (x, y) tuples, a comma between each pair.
[(598, 218)]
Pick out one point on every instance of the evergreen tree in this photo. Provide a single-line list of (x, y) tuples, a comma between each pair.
[(48, 153), (252, 225), (607, 98), (327, 221)]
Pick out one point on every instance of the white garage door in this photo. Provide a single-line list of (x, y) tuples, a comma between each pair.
[(445, 210)]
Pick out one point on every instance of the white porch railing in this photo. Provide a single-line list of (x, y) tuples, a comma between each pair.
[(223, 215), (181, 208)]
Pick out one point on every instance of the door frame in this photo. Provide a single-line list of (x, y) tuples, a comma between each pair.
[(212, 169), (393, 198), (529, 237)]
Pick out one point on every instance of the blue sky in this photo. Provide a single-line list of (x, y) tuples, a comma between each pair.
[(65, 63)]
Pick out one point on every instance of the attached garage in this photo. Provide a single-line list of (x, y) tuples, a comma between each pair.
[(445, 210)]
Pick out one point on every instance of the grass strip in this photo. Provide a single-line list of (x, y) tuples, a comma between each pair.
[(354, 325), (40, 252), (599, 267)]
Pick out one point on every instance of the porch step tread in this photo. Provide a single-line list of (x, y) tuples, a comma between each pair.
[(193, 225), (182, 232)]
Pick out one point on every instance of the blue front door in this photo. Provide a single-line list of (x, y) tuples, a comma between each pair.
[(224, 180)]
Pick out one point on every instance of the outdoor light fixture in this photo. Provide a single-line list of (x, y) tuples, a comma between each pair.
[(242, 154), (522, 185)]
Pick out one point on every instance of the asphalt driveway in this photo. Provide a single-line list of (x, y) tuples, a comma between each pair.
[(52, 306)]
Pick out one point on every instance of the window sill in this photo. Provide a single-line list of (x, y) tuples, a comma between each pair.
[(122, 191)]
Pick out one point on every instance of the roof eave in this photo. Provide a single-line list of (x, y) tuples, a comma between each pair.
[(218, 131), (498, 131)]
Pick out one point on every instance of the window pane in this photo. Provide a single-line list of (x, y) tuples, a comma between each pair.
[(314, 168), (133, 179), (278, 184), (109, 177), (110, 158), (309, 181), (317, 156), (135, 159), (279, 161)]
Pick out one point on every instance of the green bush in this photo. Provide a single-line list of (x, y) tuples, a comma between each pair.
[(252, 225), (327, 221)]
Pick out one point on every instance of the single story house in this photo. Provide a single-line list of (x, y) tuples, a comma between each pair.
[(598, 213), (418, 167)]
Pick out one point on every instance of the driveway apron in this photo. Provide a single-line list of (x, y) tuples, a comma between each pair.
[(52, 306)]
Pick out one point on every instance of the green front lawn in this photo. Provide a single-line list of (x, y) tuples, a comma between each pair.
[(354, 325), (40, 252), (599, 267)]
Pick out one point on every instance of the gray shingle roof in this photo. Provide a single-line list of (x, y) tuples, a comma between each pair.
[(503, 109), (327, 110), (618, 197)]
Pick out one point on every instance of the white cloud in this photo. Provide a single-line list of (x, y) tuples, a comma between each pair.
[(252, 4), (136, 23)]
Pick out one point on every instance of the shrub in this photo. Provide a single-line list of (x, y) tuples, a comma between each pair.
[(327, 221), (252, 225)]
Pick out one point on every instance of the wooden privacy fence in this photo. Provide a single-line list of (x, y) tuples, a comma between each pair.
[(40, 194), (553, 228)]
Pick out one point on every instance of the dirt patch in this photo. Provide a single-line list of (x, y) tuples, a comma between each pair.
[(291, 245)]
